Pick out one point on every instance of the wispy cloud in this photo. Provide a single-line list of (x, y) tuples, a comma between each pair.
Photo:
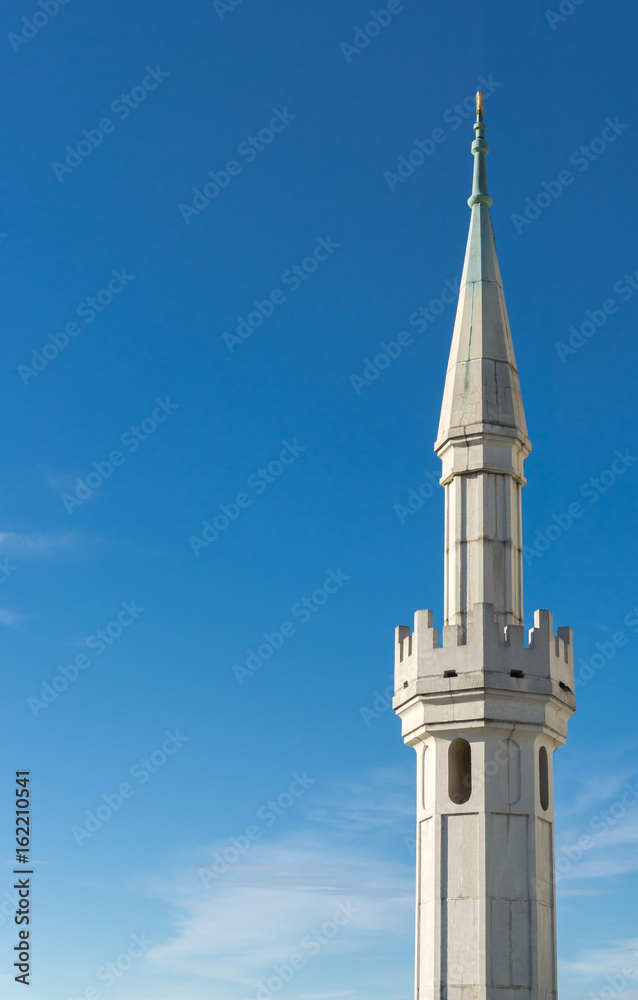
[(228, 936), (260, 914), (601, 840), (40, 543), (346, 846), (600, 776), (607, 960), (10, 618), (382, 804), (326, 996)]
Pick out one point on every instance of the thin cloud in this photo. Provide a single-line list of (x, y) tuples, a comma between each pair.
[(600, 962), (41, 543), (382, 805), (599, 784), (228, 935), (10, 618), (604, 818), (257, 915), (326, 996), (612, 853)]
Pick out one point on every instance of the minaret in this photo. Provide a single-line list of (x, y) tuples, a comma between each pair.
[(483, 711)]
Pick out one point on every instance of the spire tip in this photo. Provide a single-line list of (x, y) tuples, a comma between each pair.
[(480, 149)]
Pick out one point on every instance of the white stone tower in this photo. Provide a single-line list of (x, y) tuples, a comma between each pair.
[(483, 711)]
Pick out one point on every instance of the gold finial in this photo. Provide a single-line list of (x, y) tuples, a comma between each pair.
[(479, 103)]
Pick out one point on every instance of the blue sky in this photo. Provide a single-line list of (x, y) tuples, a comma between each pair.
[(122, 363)]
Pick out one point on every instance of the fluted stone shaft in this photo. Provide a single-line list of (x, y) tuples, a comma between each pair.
[(483, 547), (482, 443)]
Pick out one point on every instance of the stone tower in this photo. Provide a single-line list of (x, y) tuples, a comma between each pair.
[(484, 711)]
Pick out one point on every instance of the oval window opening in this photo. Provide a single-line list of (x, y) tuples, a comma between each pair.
[(460, 771), (543, 777)]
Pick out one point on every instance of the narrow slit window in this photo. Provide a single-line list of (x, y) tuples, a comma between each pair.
[(425, 761), (460, 771), (543, 777)]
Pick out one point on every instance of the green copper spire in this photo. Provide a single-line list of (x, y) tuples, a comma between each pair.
[(480, 149)]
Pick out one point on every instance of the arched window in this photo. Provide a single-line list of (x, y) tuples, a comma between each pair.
[(460, 771), (543, 777)]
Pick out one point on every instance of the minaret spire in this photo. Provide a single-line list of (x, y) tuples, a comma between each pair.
[(482, 439)]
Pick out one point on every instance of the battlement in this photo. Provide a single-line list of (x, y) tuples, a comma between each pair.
[(486, 648)]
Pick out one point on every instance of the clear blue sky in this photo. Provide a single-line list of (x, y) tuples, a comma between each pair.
[(309, 220)]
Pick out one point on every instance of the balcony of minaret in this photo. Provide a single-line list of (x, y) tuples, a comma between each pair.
[(494, 674)]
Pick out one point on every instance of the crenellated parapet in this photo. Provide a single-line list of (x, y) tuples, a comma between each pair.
[(488, 669)]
